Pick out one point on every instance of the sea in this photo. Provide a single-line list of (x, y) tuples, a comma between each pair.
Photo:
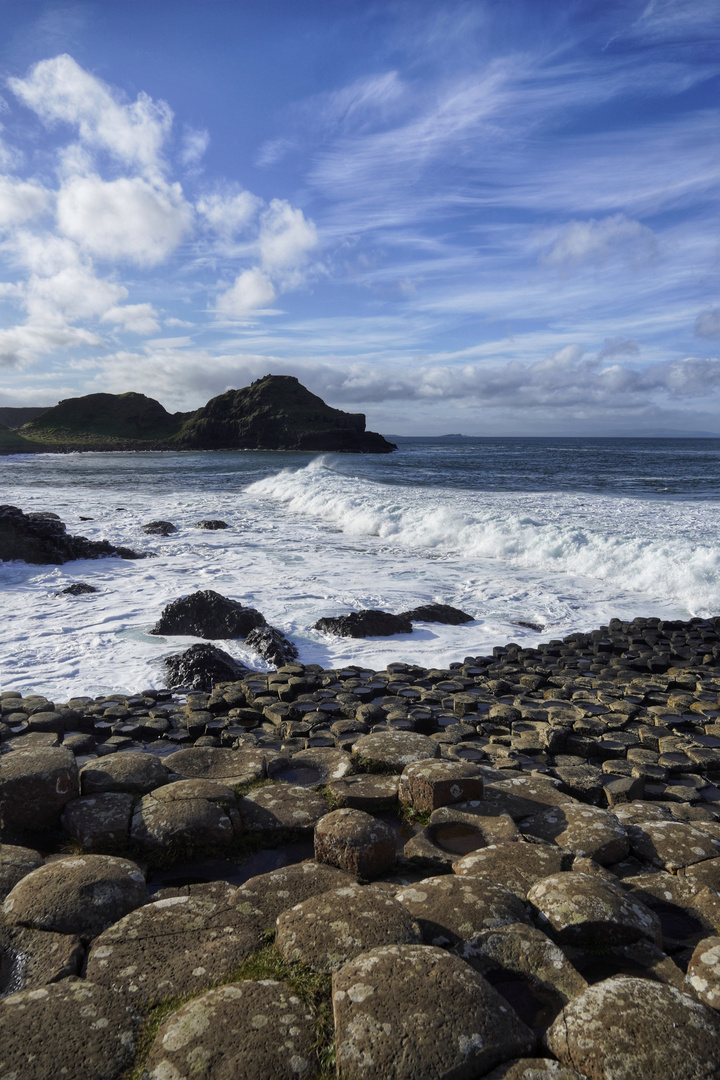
[(533, 537)]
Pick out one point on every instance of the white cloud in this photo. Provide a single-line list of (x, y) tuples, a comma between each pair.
[(286, 238), (252, 290), (20, 201), (21, 345), (72, 293), (230, 211), (137, 318), (594, 242), (129, 218), (60, 90), (707, 324), (194, 144)]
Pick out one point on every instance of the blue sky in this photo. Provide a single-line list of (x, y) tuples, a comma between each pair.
[(492, 218)]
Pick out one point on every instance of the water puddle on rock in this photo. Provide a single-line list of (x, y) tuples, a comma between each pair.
[(458, 839)]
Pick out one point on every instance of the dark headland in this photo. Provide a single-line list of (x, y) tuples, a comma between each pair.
[(274, 413)]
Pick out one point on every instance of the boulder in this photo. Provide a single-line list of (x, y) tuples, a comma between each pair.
[(31, 958), (15, 863), (267, 895), (450, 909), (281, 807), (159, 528), (242, 1031), (438, 613), (173, 947), (367, 623), (703, 973), (636, 1029), (211, 524), (517, 866), (79, 894), (457, 830), (201, 666), (72, 1029), (315, 766), (127, 771), (393, 750), (365, 791), (331, 928), (217, 763), (42, 538), (78, 588), (34, 787), (99, 823), (588, 910), (428, 785), (186, 816), (418, 1013), (355, 842), (272, 645), (207, 614), (585, 831), (671, 844)]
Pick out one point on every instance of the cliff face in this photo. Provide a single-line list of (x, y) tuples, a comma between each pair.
[(277, 413), (274, 413)]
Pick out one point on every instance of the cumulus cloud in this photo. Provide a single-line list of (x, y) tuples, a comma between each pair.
[(137, 318), (59, 90), (707, 324), (286, 237), (130, 218), (20, 201), (194, 144), (252, 290), (229, 212), (596, 241)]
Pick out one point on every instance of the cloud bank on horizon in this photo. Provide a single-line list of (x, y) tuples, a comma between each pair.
[(502, 216)]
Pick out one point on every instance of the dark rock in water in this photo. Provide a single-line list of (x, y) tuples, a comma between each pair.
[(159, 528), (271, 645), (42, 538), (77, 589), (530, 625), (367, 623), (207, 614), (210, 523), (438, 613), (201, 666)]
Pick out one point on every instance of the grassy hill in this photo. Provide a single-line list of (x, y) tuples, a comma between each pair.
[(104, 422)]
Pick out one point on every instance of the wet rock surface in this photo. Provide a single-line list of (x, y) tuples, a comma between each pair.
[(579, 881), (42, 538), (207, 614), (367, 623), (201, 666)]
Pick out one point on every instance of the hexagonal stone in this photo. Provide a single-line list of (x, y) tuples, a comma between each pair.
[(15, 863), (701, 875), (533, 1069), (450, 909), (281, 807), (703, 973), (416, 1013), (86, 1030), (671, 844), (79, 894), (586, 909), (355, 842), (525, 796), (327, 930), (126, 771), (185, 816), (34, 787), (428, 785), (266, 895), (636, 1029), (316, 765), (521, 952), (172, 947), (30, 958), (583, 830), (366, 791), (393, 750), (242, 1031), (216, 763), (517, 866), (99, 822), (677, 906)]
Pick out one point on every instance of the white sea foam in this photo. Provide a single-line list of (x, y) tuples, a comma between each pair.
[(317, 541)]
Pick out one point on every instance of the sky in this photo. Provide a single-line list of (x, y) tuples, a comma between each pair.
[(492, 218)]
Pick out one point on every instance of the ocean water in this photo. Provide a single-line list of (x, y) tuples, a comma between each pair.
[(560, 533)]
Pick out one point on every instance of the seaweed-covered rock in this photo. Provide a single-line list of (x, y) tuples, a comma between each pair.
[(43, 538), (207, 614), (201, 666), (367, 623)]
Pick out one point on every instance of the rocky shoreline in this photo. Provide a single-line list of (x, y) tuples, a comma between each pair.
[(509, 868)]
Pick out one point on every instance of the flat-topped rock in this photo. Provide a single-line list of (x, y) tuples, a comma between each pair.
[(355, 842), (428, 785), (216, 763), (451, 909), (266, 895), (636, 1029), (418, 1013), (173, 947), (99, 823), (125, 771), (525, 796), (15, 863), (517, 866), (280, 807), (366, 791), (586, 831), (366, 623), (586, 909), (671, 844), (79, 894), (35, 784), (72, 1028), (187, 815), (329, 929), (242, 1031), (393, 750), (703, 973)]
